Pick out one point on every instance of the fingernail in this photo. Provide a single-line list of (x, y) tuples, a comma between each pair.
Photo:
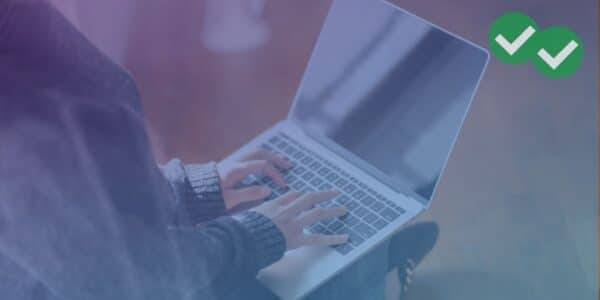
[(265, 190)]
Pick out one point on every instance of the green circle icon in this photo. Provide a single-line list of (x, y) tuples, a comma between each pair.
[(559, 53), (511, 38)]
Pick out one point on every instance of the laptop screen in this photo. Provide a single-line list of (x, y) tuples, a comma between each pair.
[(388, 91)]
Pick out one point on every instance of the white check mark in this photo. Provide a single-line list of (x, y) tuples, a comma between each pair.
[(556, 61), (513, 47)]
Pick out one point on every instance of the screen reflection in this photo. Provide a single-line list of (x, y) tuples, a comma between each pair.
[(391, 90)]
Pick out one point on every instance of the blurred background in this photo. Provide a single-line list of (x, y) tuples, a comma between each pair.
[(517, 206)]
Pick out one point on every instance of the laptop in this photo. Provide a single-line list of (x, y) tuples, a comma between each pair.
[(376, 115)]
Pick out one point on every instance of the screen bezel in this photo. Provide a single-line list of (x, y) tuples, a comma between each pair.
[(356, 160)]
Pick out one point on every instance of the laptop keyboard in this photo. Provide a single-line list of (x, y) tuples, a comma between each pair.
[(368, 211)]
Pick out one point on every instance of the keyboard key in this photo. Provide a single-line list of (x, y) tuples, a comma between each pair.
[(343, 199), (377, 206), (315, 166), (358, 194), (298, 170), (335, 226), (370, 218), (388, 202), (332, 177), (354, 238), (308, 176), (316, 182), (343, 248), (350, 188), (400, 210), (380, 223), (367, 201), (327, 222), (341, 229), (389, 214), (350, 220), (361, 212), (324, 171), (325, 187), (290, 150), (326, 231), (317, 228), (281, 145), (298, 185), (362, 185), (364, 230), (306, 160), (341, 182), (289, 178), (274, 140), (352, 205), (298, 156), (306, 190), (335, 204)]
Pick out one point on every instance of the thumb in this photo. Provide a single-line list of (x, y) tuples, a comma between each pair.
[(234, 197)]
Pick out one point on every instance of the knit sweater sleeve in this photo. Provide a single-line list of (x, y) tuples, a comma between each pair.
[(196, 191)]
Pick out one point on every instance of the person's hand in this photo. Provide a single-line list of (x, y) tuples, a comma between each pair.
[(293, 211), (258, 162)]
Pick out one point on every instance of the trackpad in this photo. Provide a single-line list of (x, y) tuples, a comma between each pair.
[(299, 270)]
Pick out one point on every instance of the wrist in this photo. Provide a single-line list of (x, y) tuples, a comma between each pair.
[(203, 198), (268, 241)]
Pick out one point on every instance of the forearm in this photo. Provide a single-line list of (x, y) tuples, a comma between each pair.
[(120, 259)]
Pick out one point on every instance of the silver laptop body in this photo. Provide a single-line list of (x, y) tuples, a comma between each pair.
[(378, 110)]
